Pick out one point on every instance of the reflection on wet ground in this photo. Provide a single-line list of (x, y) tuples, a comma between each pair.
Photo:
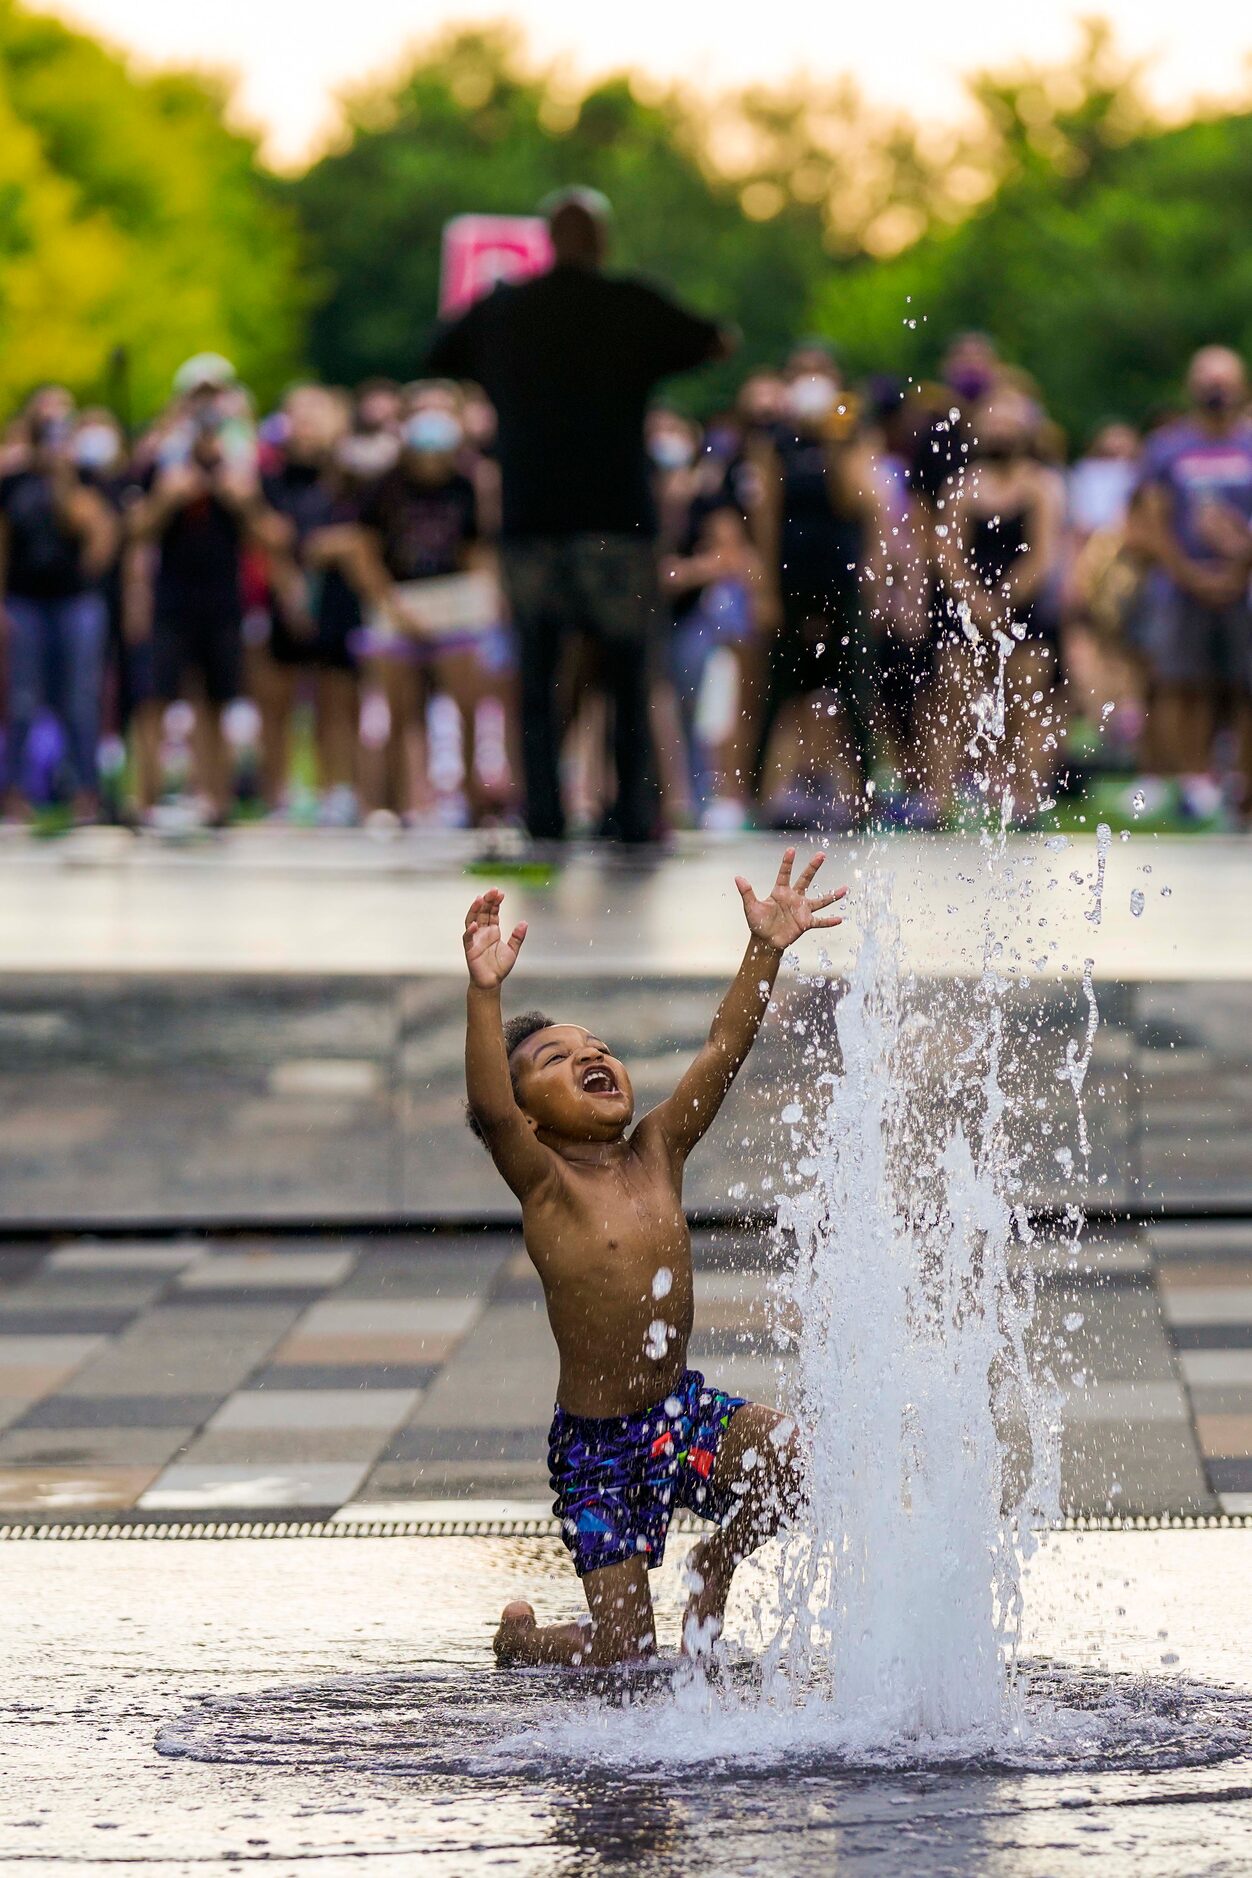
[(292, 1679)]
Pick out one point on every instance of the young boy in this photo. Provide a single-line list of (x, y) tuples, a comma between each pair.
[(635, 1433)]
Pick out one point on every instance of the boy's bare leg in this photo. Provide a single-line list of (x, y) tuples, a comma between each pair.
[(620, 1628), (761, 1448)]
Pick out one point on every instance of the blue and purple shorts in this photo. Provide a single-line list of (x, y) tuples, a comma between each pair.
[(619, 1478)]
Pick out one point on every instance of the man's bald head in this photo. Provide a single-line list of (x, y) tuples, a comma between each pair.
[(578, 222)]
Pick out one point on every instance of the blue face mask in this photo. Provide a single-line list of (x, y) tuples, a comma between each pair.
[(433, 433), (95, 447), (669, 450)]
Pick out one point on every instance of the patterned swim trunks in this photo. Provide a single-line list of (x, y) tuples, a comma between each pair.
[(617, 1479)]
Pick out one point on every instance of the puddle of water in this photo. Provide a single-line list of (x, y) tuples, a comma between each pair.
[(340, 1665)]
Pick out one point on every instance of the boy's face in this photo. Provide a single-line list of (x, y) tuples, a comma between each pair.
[(569, 1085)]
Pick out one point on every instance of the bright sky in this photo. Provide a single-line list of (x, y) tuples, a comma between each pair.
[(291, 57)]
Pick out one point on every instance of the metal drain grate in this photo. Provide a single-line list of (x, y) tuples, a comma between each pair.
[(472, 1528)]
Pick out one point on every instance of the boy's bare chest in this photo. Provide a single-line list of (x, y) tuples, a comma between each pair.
[(627, 1216)]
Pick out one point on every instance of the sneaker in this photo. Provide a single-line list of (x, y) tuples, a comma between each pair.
[(338, 807), (724, 815), (1200, 798)]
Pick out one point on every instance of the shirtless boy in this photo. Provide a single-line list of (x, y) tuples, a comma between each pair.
[(636, 1433)]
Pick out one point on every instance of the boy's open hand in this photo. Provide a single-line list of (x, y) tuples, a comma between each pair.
[(788, 912), (490, 958)]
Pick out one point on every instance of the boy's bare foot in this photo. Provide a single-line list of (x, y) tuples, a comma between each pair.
[(520, 1640), (517, 1636)]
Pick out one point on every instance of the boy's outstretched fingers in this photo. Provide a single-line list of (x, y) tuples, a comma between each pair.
[(784, 868)]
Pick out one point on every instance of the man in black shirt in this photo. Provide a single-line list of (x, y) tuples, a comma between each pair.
[(569, 360), (202, 505)]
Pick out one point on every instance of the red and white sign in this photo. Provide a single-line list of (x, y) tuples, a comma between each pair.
[(481, 250)]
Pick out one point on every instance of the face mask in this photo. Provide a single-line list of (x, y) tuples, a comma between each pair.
[(1217, 399), (433, 433), (812, 397), (95, 447), (996, 452), (969, 382), (669, 451), (368, 456)]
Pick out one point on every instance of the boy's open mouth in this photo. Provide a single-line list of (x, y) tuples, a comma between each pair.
[(598, 1079)]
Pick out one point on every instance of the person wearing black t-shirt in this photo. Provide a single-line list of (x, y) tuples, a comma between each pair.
[(313, 609), (58, 537), (429, 585), (818, 507), (202, 505), (569, 360)]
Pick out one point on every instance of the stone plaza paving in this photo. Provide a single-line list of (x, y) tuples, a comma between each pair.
[(401, 1377)]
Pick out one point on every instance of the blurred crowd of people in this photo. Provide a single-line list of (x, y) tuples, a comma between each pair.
[(410, 604)]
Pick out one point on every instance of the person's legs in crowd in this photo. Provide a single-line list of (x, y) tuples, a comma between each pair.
[(145, 754), (680, 760), (81, 629), (28, 690), (213, 769), (336, 712), (393, 767), (217, 665), (1028, 758), (615, 584), (1190, 660), (949, 721), (535, 576), (273, 684), (471, 675), (1183, 724), (904, 679), (713, 663), (814, 732)]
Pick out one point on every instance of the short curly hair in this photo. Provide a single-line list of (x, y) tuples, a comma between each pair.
[(516, 1032)]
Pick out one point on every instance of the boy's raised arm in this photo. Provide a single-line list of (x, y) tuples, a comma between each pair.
[(774, 924), (521, 1159)]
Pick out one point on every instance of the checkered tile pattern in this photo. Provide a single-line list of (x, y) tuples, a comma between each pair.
[(350, 1380), (1205, 1277)]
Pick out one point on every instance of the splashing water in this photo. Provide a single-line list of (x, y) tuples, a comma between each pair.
[(901, 1602)]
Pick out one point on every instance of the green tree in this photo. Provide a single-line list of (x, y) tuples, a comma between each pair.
[(131, 216), (1110, 250), (467, 128)]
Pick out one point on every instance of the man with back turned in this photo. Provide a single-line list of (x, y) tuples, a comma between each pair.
[(569, 360)]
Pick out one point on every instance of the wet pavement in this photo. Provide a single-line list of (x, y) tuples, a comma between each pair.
[(330, 1705)]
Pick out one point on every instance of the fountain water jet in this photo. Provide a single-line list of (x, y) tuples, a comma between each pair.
[(901, 1599)]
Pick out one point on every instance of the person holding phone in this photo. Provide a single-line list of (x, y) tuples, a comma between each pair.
[(58, 539)]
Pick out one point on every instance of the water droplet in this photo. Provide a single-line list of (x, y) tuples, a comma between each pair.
[(1074, 1320), (663, 1283), (1137, 801), (1136, 902), (793, 1113)]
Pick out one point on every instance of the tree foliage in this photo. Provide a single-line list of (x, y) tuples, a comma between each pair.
[(1110, 250), (1098, 247), (130, 216), (468, 128)]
